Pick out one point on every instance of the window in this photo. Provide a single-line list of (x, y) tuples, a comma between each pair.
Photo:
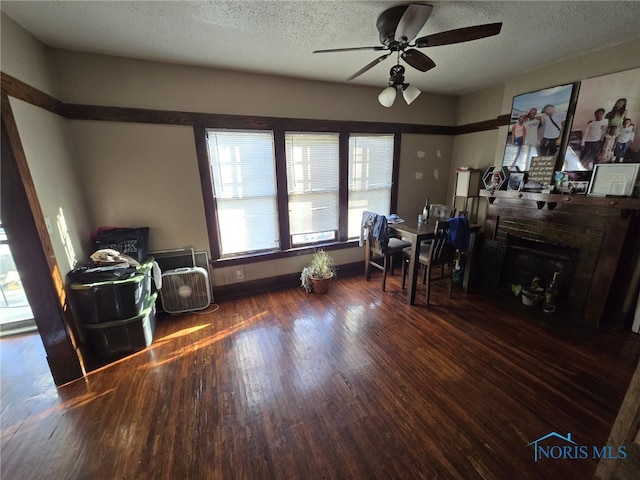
[(370, 177), (243, 169), (271, 191), (312, 184)]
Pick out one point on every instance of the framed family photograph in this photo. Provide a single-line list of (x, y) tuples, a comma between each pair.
[(603, 127), (537, 126)]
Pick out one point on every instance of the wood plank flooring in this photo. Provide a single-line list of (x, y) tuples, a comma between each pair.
[(355, 384)]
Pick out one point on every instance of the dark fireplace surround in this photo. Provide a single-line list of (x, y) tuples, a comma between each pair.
[(592, 241)]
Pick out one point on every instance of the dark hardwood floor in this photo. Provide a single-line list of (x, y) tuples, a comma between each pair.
[(353, 384)]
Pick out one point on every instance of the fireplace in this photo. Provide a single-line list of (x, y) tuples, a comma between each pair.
[(591, 241), (526, 259)]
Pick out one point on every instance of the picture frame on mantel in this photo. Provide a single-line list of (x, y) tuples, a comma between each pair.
[(612, 179), (538, 126), (595, 111)]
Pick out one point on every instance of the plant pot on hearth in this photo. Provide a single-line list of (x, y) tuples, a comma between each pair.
[(531, 295)]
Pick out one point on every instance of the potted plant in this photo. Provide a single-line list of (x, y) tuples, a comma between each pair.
[(531, 295), (318, 274)]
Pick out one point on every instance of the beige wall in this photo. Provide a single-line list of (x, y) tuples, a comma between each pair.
[(142, 175), (424, 172), (105, 80), (24, 57), (48, 150)]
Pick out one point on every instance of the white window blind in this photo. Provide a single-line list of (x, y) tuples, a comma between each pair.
[(243, 167), (370, 177), (312, 182)]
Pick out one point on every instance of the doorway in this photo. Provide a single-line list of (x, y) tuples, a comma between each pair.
[(15, 312)]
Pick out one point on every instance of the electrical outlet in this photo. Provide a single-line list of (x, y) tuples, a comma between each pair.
[(239, 274)]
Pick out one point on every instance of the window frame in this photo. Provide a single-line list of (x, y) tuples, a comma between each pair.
[(344, 130)]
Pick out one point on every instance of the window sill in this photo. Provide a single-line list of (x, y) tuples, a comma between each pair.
[(276, 255)]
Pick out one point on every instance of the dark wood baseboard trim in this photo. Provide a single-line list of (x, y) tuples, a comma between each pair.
[(291, 280)]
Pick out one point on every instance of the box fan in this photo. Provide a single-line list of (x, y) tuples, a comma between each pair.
[(185, 290)]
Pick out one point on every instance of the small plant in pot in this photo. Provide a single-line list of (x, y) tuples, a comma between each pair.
[(318, 274), (531, 295)]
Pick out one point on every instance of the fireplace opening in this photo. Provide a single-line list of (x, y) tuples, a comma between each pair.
[(526, 259)]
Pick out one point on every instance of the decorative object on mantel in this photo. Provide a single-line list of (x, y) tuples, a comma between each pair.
[(613, 179), (516, 180), (495, 178), (541, 171), (318, 274)]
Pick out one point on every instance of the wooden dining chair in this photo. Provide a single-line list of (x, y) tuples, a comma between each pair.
[(381, 248), (438, 253)]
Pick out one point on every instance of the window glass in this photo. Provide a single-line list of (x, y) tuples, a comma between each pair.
[(312, 182), (243, 170), (370, 177)]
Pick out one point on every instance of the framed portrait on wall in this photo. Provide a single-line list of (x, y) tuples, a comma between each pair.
[(537, 126), (604, 123)]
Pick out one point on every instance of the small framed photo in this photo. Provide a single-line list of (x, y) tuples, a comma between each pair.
[(615, 179), (495, 178), (578, 187), (516, 180)]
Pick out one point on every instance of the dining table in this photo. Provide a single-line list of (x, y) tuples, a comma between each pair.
[(416, 233)]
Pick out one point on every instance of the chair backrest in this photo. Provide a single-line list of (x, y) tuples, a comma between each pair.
[(439, 210), (441, 251), (378, 235)]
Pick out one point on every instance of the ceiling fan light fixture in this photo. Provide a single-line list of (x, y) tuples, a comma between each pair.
[(387, 96), (410, 93)]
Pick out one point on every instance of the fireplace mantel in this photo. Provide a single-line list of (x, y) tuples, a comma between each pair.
[(552, 199), (604, 228)]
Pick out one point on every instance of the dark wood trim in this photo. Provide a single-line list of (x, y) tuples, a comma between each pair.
[(395, 175), (13, 87), (485, 125), (553, 199), (217, 120), (290, 280), (206, 182), (33, 254), (343, 187), (18, 89), (282, 191)]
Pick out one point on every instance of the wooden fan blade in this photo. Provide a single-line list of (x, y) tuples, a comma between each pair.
[(351, 49), (412, 21), (459, 35), (369, 66), (418, 60)]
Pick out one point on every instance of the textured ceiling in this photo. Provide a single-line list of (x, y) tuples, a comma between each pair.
[(278, 37)]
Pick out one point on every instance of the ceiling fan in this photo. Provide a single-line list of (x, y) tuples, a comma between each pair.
[(398, 26)]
